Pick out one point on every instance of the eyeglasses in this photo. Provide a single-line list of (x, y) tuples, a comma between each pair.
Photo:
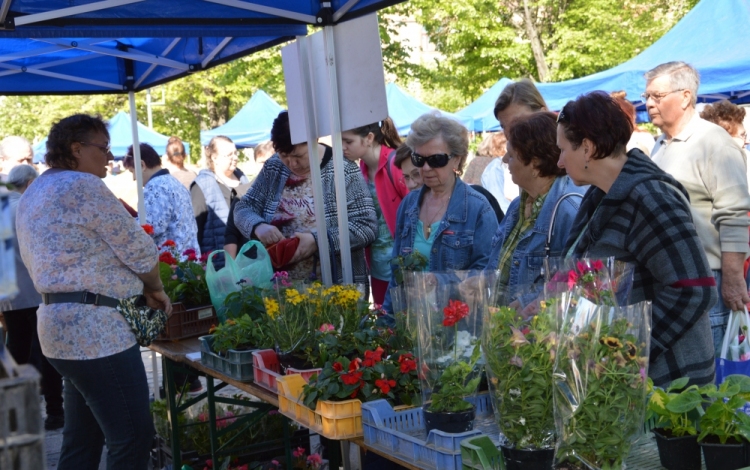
[(743, 136), (410, 176), (438, 160), (657, 97), (232, 154), (103, 148)]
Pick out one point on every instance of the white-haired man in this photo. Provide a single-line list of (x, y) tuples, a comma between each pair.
[(703, 157), (14, 151)]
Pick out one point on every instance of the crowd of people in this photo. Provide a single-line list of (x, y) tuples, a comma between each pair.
[(584, 182)]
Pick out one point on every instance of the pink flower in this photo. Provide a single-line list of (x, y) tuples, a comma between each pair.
[(275, 463), (299, 452), (315, 460), (597, 265), (203, 416), (174, 278), (516, 361), (326, 328)]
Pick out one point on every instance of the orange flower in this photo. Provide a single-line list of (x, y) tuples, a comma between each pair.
[(168, 243), (149, 229)]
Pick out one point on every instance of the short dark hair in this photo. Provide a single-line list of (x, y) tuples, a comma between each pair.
[(65, 132), (403, 153), (148, 156), (281, 136), (535, 136), (596, 116)]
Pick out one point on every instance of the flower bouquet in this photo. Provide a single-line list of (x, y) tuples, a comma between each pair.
[(520, 355), (448, 347), (599, 380)]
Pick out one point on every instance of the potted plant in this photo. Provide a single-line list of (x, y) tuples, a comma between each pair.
[(241, 334), (724, 427), (183, 275), (447, 410), (677, 410), (520, 358)]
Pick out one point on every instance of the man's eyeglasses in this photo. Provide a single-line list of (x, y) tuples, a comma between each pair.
[(438, 160), (103, 148), (657, 97)]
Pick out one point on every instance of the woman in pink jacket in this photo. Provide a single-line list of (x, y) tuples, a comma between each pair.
[(374, 146)]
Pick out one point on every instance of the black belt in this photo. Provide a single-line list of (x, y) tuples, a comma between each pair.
[(80, 297)]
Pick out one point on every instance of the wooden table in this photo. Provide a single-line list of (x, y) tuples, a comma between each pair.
[(174, 359)]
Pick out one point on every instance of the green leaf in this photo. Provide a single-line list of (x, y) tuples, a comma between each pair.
[(684, 402), (678, 384)]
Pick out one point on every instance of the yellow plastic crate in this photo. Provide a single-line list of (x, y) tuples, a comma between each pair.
[(331, 419)]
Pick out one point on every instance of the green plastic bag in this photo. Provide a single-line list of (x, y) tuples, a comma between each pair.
[(254, 264), (221, 283)]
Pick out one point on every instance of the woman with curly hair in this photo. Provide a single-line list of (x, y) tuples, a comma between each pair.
[(730, 117)]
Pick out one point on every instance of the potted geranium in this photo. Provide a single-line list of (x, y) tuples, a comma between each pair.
[(724, 427), (677, 409), (458, 377), (183, 275), (520, 358)]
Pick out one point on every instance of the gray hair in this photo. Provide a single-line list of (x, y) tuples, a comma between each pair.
[(20, 175), (432, 125), (681, 76), (11, 143)]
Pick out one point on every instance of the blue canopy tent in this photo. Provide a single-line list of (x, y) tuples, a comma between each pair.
[(711, 37), (251, 125), (120, 138), (405, 109)]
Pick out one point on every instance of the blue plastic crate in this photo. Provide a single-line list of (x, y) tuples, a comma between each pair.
[(403, 435), (237, 365)]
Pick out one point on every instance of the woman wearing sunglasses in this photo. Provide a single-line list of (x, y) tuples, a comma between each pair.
[(446, 220), (539, 220), (637, 213)]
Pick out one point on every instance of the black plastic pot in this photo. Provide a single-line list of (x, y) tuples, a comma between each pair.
[(519, 459), (448, 421), (678, 453), (724, 456), (293, 361)]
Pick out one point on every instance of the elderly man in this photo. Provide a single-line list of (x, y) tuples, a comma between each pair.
[(703, 157), (14, 151)]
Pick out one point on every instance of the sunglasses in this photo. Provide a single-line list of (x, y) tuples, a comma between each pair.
[(438, 160)]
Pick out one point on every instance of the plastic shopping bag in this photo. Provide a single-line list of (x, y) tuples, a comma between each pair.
[(735, 349), (221, 283), (254, 264)]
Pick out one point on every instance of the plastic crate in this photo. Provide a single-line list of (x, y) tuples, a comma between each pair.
[(331, 419), (402, 434), (188, 323), (481, 453), (266, 370), (21, 427), (237, 365)]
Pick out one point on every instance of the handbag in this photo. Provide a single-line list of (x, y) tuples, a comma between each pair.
[(147, 323)]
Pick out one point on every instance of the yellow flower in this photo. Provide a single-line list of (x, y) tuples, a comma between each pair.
[(272, 307), (631, 350), (610, 341), (543, 304), (294, 297)]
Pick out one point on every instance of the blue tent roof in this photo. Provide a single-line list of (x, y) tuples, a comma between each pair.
[(116, 46), (711, 37), (120, 138), (405, 109), (251, 125)]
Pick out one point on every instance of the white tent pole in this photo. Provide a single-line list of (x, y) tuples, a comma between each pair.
[(308, 97), (338, 157), (141, 214)]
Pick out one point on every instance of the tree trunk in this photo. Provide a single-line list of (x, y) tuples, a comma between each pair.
[(536, 43)]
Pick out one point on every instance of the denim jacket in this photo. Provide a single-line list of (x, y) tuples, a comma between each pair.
[(460, 240), (529, 254)]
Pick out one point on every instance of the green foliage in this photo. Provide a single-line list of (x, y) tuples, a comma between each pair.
[(677, 408), (724, 418), (454, 384), (240, 334), (415, 261), (520, 358), (246, 301)]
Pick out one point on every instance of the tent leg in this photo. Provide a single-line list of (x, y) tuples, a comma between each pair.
[(338, 157)]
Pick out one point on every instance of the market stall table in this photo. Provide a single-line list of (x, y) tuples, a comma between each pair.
[(174, 357)]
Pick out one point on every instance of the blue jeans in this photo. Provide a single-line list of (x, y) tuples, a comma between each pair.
[(106, 398), (719, 316)]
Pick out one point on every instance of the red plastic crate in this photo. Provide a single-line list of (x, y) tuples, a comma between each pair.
[(266, 370), (189, 323)]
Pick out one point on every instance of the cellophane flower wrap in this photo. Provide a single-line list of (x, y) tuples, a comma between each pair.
[(520, 354), (448, 338), (601, 366)]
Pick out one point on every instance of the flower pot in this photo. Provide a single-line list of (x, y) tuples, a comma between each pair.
[(520, 459), (293, 361), (449, 421), (678, 453), (723, 456)]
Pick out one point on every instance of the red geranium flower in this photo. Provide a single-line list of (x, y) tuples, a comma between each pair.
[(572, 279), (338, 367), (385, 385), (149, 229), (373, 357), (454, 312), (204, 257), (354, 365), (169, 244), (407, 364), (352, 378), (167, 257), (597, 265), (190, 254)]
